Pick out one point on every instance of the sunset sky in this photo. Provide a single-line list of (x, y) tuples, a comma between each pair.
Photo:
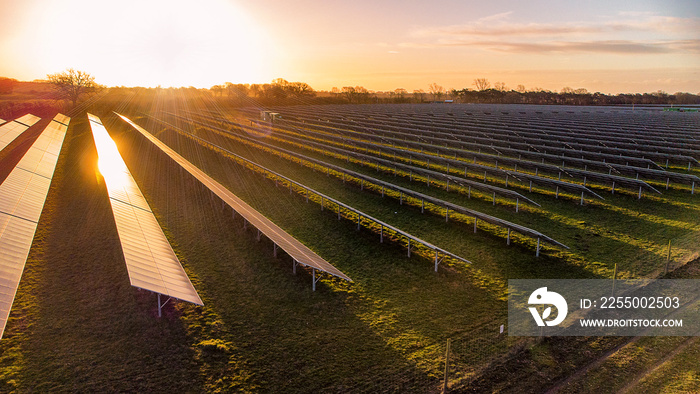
[(607, 46)]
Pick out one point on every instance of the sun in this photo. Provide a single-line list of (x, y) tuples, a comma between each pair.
[(152, 43)]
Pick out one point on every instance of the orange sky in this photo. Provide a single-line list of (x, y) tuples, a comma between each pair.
[(612, 47)]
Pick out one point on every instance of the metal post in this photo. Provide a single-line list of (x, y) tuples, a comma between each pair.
[(447, 366), (362, 184), (436, 259), (422, 205), (582, 198), (400, 198), (359, 216), (469, 194), (447, 185), (313, 278), (508, 238), (494, 198), (159, 306), (517, 204), (613, 188), (639, 197), (537, 251), (294, 267), (338, 211), (668, 180), (259, 234), (668, 257), (409, 247), (614, 279), (381, 233), (447, 214), (322, 203), (475, 220), (307, 195), (692, 188), (274, 250), (506, 180), (382, 191)]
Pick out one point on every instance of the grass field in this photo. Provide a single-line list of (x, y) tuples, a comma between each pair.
[(77, 324)]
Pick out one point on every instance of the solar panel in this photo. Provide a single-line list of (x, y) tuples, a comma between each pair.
[(298, 251), (28, 120), (9, 131), (22, 197), (150, 261)]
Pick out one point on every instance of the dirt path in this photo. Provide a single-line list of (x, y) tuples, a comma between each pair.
[(650, 370)]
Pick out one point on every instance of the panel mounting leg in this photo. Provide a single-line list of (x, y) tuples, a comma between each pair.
[(294, 266), (274, 250), (160, 306), (537, 251)]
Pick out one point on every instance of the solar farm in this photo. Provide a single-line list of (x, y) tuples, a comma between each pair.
[(183, 246)]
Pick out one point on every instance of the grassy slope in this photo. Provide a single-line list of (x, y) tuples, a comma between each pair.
[(78, 325)]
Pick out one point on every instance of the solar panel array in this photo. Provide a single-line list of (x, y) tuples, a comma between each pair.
[(439, 253), (22, 197), (298, 251), (406, 192), (151, 263)]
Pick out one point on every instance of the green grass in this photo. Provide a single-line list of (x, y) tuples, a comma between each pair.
[(77, 324)]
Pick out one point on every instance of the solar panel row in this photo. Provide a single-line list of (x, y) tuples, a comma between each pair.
[(151, 263), (22, 197)]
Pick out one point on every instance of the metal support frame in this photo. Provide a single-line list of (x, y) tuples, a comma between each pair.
[(294, 266), (508, 238), (359, 216), (258, 236), (274, 250), (381, 233), (422, 205), (613, 188), (160, 306), (338, 211), (517, 204), (475, 220), (447, 214), (530, 186), (469, 193), (408, 249), (400, 198), (692, 188), (438, 260), (447, 185), (582, 198), (314, 278), (639, 196), (556, 193), (494, 198), (537, 251)]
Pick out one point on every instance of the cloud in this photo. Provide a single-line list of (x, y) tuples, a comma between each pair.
[(628, 33), (605, 46)]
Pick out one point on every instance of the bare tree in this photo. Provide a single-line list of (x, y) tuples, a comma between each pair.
[(520, 88), (436, 90), (72, 83), (482, 84), (567, 90), (418, 95), (500, 86)]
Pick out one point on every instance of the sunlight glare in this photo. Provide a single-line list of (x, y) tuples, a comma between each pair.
[(151, 43)]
